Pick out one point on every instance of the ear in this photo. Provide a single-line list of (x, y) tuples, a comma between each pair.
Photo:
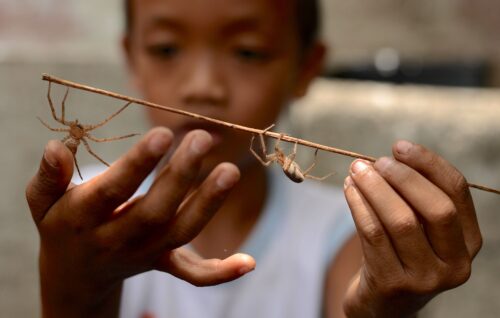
[(311, 66)]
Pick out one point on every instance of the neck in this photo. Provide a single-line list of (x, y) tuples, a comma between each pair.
[(232, 224)]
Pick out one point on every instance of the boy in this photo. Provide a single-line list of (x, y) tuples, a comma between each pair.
[(243, 62)]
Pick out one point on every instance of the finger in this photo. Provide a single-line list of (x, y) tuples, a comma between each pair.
[(450, 180), (378, 251), (202, 205), (169, 189), (51, 180), (189, 266), (397, 217), (117, 184), (441, 221)]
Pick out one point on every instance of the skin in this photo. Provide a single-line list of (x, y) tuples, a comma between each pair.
[(418, 228), (239, 64)]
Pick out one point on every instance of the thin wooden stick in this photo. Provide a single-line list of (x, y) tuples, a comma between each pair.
[(271, 134)]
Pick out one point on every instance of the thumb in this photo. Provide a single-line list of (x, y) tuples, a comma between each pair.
[(51, 180)]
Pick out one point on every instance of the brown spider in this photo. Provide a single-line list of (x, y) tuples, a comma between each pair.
[(290, 167), (77, 132)]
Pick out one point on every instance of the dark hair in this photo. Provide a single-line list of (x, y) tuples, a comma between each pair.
[(307, 15)]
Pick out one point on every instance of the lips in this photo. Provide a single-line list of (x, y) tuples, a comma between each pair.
[(217, 132)]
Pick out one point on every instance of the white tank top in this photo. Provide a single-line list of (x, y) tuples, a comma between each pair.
[(301, 229)]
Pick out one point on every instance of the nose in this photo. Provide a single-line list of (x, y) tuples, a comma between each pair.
[(204, 84)]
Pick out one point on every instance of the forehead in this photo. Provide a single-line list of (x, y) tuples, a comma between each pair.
[(272, 15)]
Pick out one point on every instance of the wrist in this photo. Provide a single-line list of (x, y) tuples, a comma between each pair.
[(74, 302), (66, 294), (373, 305)]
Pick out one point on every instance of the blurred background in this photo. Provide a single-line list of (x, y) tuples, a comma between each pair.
[(424, 70)]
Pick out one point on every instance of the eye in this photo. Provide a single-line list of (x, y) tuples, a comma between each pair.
[(163, 50), (251, 54)]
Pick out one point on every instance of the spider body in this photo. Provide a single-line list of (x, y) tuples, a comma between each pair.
[(291, 168), (77, 132), (292, 171)]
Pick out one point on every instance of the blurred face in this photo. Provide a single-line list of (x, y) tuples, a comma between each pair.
[(234, 60)]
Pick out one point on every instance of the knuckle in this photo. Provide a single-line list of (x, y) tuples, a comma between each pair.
[(425, 283), (373, 234), (404, 226), (393, 287), (446, 214), (454, 275), (110, 193), (429, 285), (476, 244), (28, 192), (459, 184), (462, 273)]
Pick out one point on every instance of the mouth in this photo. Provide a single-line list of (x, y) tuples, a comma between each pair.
[(217, 132)]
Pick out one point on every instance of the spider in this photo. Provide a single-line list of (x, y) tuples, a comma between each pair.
[(291, 169), (77, 132)]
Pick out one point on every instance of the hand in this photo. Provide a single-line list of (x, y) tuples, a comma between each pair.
[(418, 229), (92, 236)]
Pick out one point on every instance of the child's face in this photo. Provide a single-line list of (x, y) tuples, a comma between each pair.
[(234, 60)]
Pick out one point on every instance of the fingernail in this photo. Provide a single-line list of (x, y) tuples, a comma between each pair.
[(358, 166), (49, 156), (347, 182), (226, 180), (201, 143), (403, 147), (158, 143)]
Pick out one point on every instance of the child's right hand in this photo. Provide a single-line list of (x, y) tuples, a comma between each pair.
[(92, 237)]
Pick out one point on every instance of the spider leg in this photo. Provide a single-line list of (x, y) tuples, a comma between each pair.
[(92, 127), (319, 178), (263, 142), (89, 136), (294, 153), (264, 163), (312, 165), (51, 128), (308, 176), (52, 109), (276, 147), (63, 106), (77, 168), (93, 153)]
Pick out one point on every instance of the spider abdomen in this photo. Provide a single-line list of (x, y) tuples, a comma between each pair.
[(293, 172), (72, 144)]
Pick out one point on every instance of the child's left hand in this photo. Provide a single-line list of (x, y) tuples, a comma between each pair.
[(418, 229)]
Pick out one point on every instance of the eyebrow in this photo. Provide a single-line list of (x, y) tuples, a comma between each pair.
[(235, 25), (165, 22), (244, 24)]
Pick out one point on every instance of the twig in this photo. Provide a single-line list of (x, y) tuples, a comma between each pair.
[(271, 134)]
